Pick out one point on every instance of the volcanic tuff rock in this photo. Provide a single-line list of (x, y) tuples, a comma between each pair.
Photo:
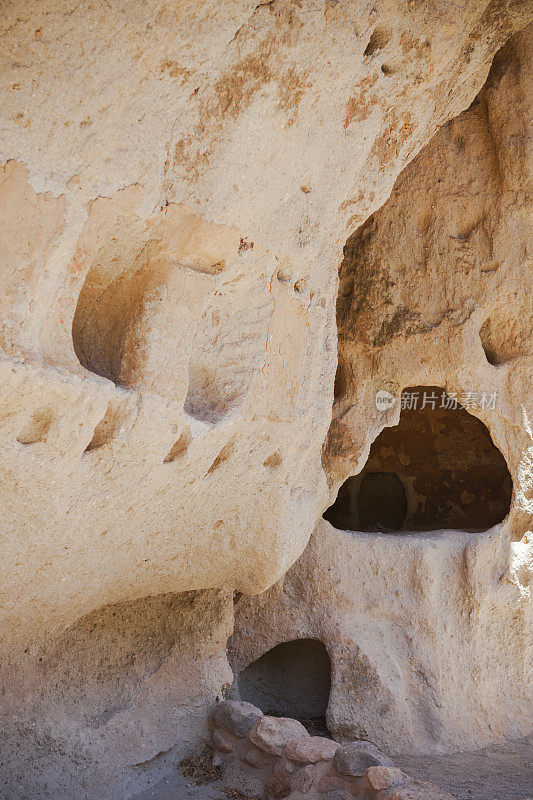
[(177, 182), (429, 633)]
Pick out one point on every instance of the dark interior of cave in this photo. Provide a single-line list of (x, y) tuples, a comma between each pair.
[(292, 679), (437, 469)]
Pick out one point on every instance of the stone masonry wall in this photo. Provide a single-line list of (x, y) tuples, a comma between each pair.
[(275, 757)]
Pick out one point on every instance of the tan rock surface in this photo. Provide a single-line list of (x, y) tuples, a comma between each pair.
[(177, 182), (429, 634)]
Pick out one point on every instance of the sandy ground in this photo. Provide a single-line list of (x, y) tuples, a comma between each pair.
[(176, 787), (490, 774)]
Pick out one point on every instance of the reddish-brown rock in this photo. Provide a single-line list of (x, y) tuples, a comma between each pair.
[(278, 785), (272, 734), (383, 777), (310, 749), (302, 780)]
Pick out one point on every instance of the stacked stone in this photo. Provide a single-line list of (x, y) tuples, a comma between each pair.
[(275, 757)]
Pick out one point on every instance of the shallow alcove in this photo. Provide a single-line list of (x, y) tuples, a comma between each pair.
[(486, 336), (124, 289), (505, 337), (109, 310), (437, 469), (379, 39), (36, 427), (292, 679)]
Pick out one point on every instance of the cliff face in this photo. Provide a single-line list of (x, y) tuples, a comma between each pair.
[(427, 628), (176, 188)]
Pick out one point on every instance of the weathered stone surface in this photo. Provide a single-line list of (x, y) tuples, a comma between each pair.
[(236, 716), (334, 789), (278, 785), (332, 783), (355, 758), (430, 296), (272, 734), (310, 749), (154, 164), (222, 741), (177, 184), (255, 757), (383, 778), (238, 777), (302, 780), (400, 787)]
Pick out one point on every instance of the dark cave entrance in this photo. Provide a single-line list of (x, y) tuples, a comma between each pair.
[(372, 511), (293, 679), (437, 469)]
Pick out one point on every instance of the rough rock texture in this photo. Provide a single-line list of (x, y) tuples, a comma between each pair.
[(113, 691), (438, 468), (435, 288), (236, 716), (429, 634), (354, 759), (177, 182)]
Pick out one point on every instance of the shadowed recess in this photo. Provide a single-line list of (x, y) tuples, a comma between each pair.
[(36, 428), (437, 469), (292, 679)]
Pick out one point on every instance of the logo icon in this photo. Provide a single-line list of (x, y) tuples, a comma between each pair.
[(384, 400)]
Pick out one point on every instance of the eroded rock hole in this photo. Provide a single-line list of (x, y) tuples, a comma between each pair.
[(36, 428), (291, 680), (502, 339), (121, 289), (180, 446), (224, 454), (373, 512), (108, 427), (387, 69), (379, 39), (274, 460), (209, 397), (108, 310), (437, 469), (485, 334)]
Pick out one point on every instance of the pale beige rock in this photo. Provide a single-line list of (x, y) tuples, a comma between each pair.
[(118, 688), (429, 634), (167, 386)]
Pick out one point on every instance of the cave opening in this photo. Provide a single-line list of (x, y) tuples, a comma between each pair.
[(293, 679), (437, 469)]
